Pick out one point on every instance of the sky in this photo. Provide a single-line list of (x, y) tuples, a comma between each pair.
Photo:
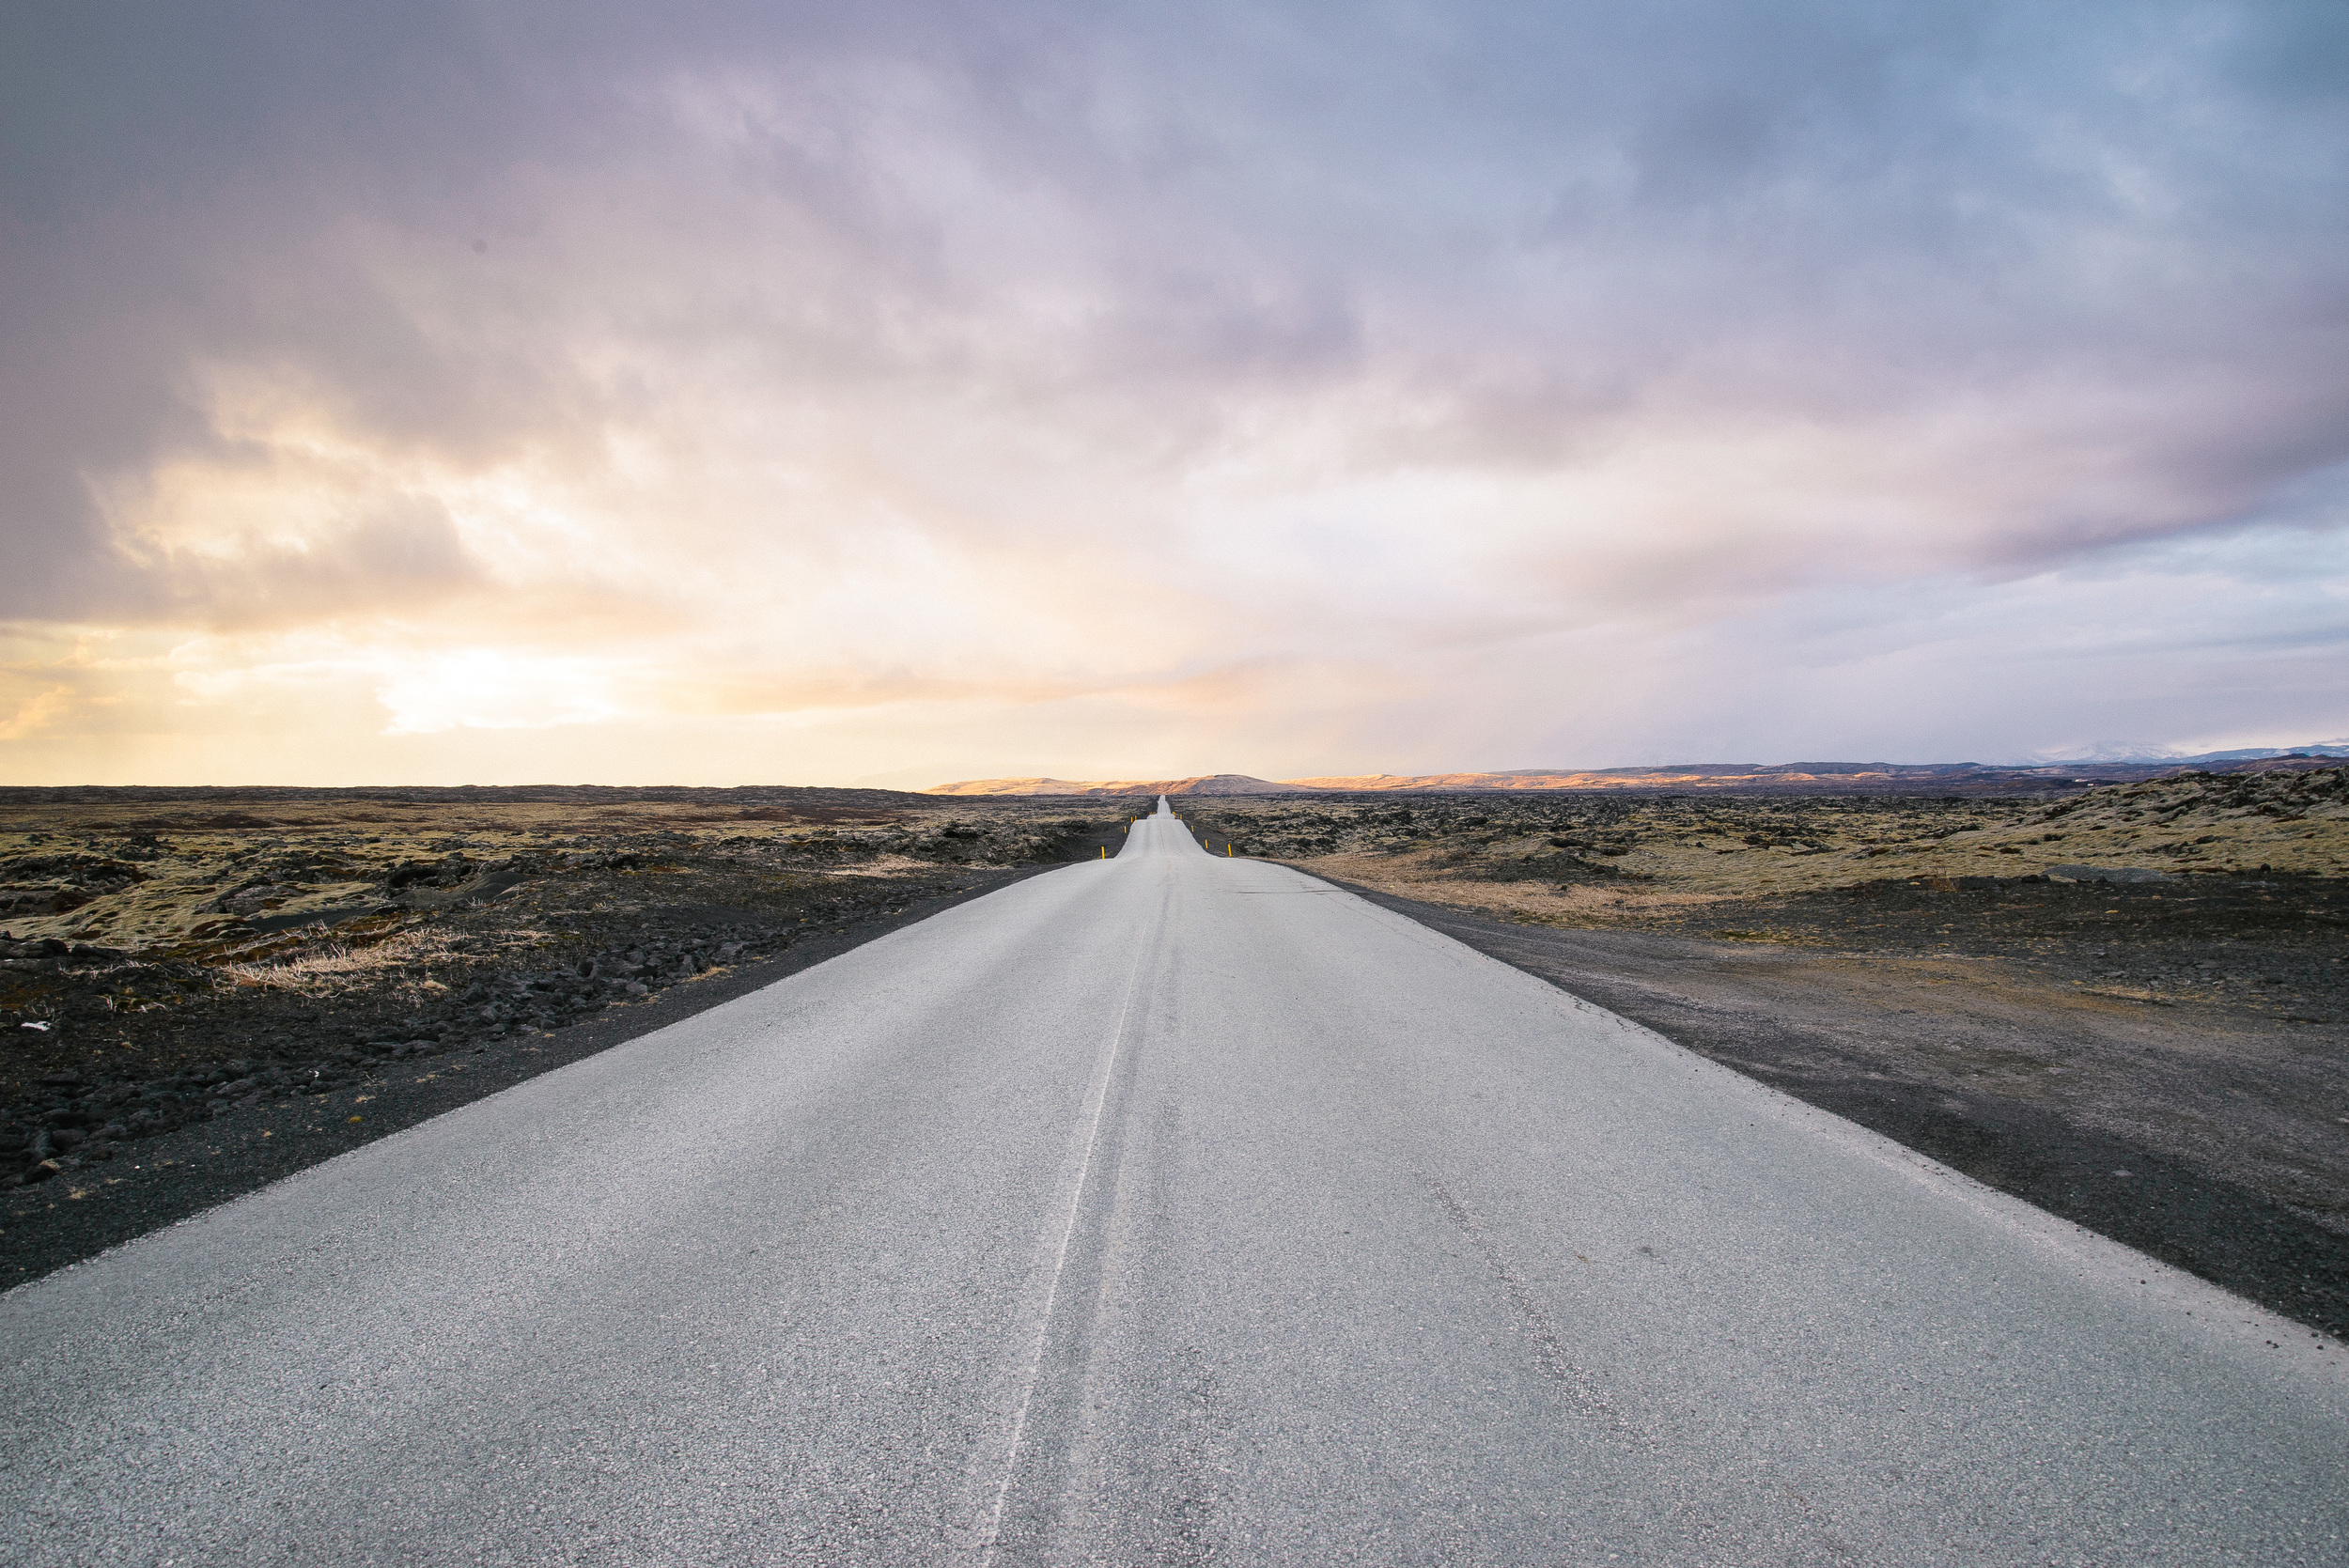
[(813, 394)]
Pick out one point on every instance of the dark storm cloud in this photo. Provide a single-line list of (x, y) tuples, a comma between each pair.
[(1871, 200), (156, 164)]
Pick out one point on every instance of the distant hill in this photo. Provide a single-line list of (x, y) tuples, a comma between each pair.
[(2252, 753), (1806, 778), (1819, 778), (1209, 784)]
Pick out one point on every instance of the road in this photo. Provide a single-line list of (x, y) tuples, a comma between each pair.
[(1167, 1210)]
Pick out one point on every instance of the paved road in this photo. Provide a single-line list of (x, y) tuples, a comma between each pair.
[(1164, 1210)]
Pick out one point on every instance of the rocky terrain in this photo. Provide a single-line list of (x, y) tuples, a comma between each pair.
[(1578, 857), (179, 964)]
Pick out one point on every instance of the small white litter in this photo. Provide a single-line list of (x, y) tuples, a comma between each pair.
[(42, 1026)]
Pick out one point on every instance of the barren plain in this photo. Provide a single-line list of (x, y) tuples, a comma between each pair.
[(2126, 1004), (203, 989)]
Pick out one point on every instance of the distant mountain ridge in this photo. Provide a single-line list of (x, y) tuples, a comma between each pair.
[(1840, 778), (1207, 783), (2252, 753)]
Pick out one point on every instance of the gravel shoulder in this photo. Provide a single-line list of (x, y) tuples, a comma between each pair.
[(92, 1206), (2201, 1130)]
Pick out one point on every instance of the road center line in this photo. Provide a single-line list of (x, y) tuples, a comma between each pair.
[(1035, 1313)]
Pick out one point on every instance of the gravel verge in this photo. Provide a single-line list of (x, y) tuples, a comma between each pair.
[(261, 1136), (2207, 1134)]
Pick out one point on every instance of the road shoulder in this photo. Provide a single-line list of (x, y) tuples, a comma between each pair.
[(1959, 1067)]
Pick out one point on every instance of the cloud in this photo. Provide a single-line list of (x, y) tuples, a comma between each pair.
[(33, 715), (398, 556), (1296, 379)]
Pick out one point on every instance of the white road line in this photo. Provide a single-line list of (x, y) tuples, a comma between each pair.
[(1001, 1459)]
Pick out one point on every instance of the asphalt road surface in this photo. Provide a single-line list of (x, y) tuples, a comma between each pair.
[(1168, 1209)]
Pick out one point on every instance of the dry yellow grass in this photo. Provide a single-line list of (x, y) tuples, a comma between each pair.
[(1588, 862), (340, 966), (116, 869)]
